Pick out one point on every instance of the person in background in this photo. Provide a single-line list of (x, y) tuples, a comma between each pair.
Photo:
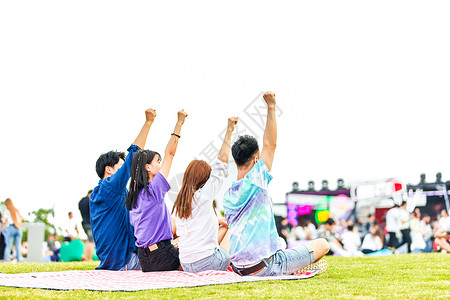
[(351, 241), (2, 237), (310, 229), (373, 240), (327, 232), (404, 226), (442, 235), (427, 231), (83, 206), (70, 230), (417, 235), (13, 234), (370, 221), (284, 230), (393, 227), (53, 247)]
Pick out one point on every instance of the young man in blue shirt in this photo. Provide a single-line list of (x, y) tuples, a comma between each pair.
[(110, 220)]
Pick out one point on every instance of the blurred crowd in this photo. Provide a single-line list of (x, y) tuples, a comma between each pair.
[(399, 232)]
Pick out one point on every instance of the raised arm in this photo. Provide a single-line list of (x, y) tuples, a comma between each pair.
[(224, 152), (171, 147), (270, 133), (140, 140)]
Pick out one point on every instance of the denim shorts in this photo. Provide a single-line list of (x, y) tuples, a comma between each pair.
[(132, 264), (286, 262), (219, 261)]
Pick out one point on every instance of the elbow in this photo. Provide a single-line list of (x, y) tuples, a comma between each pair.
[(169, 152)]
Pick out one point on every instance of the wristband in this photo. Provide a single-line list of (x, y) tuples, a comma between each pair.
[(176, 134)]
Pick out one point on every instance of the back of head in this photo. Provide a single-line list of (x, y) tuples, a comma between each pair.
[(350, 227), (139, 178), (330, 222), (244, 149), (9, 205), (108, 159), (195, 177)]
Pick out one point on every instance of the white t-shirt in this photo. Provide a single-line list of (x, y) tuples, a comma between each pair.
[(392, 220), (403, 216), (445, 223), (9, 219), (198, 234), (372, 242), (351, 241), (70, 226)]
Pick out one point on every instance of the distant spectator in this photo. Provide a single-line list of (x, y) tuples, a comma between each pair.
[(442, 235), (372, 241), (351, 241), (393, 227), (53, 247), (83, 206), (370, 221), (13, 234), (404, 227), (417, 236), (2, 237), (427, 231), (70, 230), (327, 233)]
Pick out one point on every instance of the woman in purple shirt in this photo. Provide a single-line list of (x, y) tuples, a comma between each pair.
[(149, 214)]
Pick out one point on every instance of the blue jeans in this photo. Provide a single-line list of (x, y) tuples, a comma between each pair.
[(12, 235), (132, 264), (219, 261), (286, 262)]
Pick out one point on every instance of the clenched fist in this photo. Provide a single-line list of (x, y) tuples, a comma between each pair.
[(182, 116), (150, 115), (269, 97), (231, 122)]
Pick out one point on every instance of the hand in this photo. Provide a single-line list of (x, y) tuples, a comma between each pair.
[(231, 122), (150, 115), (269, 97), (182, 116)]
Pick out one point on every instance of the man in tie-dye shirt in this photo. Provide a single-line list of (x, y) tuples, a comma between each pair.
[(255, 247)]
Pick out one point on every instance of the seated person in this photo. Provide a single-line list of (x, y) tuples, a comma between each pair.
[(351, 240), (255, 246), (196, 221), (372, 241), (442, 235), (110, 220), (149, 214)]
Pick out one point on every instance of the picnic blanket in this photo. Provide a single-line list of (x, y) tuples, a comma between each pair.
[(103, 280)]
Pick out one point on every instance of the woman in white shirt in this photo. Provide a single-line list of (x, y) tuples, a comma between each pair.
[(196, 222), (372, 241)]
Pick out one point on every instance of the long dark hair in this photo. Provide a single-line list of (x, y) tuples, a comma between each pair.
[(139, 175), (195, 177)]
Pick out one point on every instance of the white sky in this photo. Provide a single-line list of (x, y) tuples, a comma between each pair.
[(363, 87)]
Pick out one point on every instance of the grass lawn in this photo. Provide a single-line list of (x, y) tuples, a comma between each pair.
[(412, 276)]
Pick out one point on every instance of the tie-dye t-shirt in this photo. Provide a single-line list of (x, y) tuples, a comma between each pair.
[(248, 210)]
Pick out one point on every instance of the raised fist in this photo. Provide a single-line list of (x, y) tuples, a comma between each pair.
[(182, 116), (269, 97), (150, 114), (231, 122)]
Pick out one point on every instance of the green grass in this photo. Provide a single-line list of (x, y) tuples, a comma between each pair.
[(424, 276)]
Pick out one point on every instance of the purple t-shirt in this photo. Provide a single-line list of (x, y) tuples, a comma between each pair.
[(151, 218)]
